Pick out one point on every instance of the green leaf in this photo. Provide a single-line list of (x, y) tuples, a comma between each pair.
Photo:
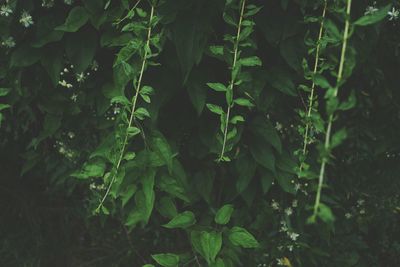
[(243, 102), (182, 220), (81, 48), (77, 17), (166, 259), (338, 137), (215, 109), (144, 200), (211, 243), (373, 17), (160, 145), (141, 113), (52, 61), (224, 214), (250, 61), (263, 155), (24, 56), (4, 91), (245, 167), (281, 80), (148, 265), (219, 87), (91, 169), (263, 128), (207, 244), (241, 237)]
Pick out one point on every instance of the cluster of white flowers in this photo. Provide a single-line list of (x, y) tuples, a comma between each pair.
[(5, 10), (64, 150), (293, 236), (26, 19), (113, 112), (393, 14), (47, 3), (63, 83), (93, 186), (288, 211), (8, 42), (274, 205)]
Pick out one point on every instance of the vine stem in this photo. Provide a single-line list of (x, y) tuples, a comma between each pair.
[(330, 120), (134, 101), (311, 97), (235, 55)]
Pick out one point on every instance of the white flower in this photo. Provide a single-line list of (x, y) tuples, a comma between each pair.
[(68, 2), (360, 202), (370, 10), (74, 97), (290, 247), (5, 10), (284, 227), (95, 65), (71, 135), (289, 211), (116, 110), (293, 236), (297, 187), (348, 215), (278, 126), (8, 42), (274, 205), (294, 203), (393, 14), (80, 77), (65, 84), (26, 19), (281, 262), (362, 211), (65, 70), (47, 3)]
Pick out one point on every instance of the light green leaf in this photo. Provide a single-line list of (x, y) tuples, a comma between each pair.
[(243, 102), (4, 91), (224, 214), (373, 17), (250, 61), (141, 113), (166, 259), (215, 109), (241, 237), (211, 243), (219, 87), (182, 220)]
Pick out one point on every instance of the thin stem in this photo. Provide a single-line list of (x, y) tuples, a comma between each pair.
[(330, 121), (311, 97), (134, 101), (235, 55)]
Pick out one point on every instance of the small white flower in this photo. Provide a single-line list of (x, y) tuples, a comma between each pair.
[(370, 10), (281, 262), (294, 203), (293, 236), (284, 227), (116, 110), (47, 3), (5, 10), (348, 215), (289, 211), (66, 70), (26, 19), (297, 187), (74, 97), (278, 126), (8, 42), (360, 202), (80, 77), (393, 14), (71, 135), (95, 65), (362, 211), (68, 2), (274, 205)]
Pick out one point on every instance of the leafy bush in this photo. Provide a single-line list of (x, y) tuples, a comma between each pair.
[(199, 133)]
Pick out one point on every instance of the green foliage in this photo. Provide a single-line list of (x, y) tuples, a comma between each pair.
[(199, 133)]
